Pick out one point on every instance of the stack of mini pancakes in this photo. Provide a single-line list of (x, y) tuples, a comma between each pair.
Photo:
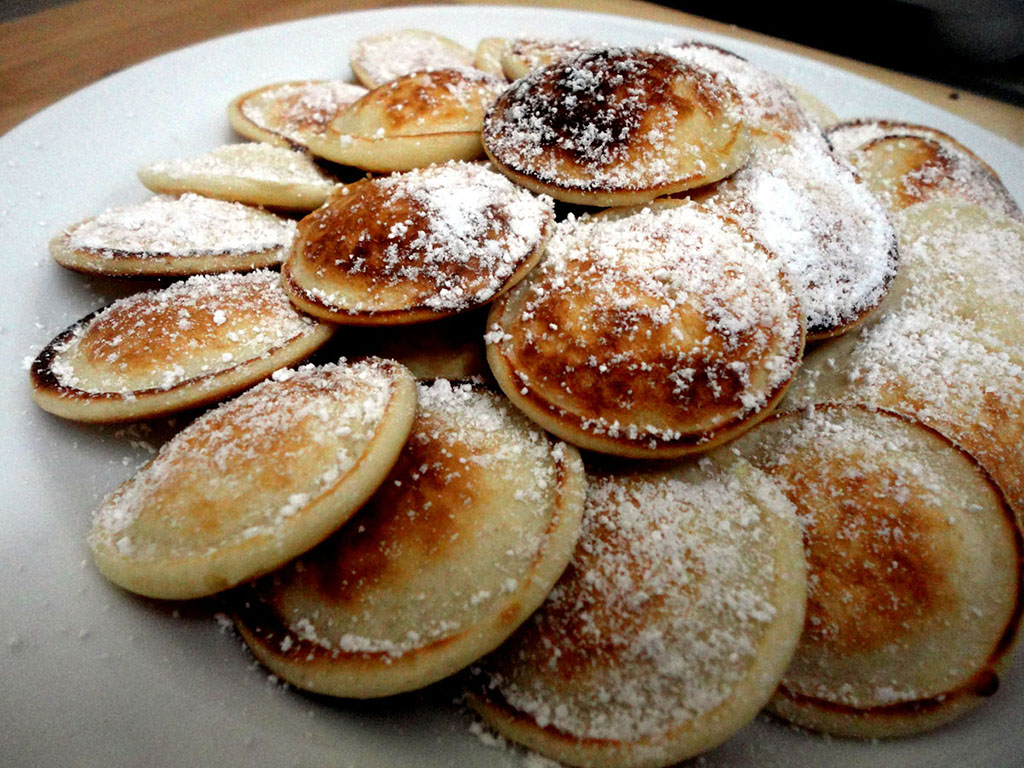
[(626, 383)]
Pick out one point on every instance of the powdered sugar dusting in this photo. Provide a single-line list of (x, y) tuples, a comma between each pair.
[(295, 109), (254, 160), (189, 225), (385, 57), (193, 328), (659, 614)]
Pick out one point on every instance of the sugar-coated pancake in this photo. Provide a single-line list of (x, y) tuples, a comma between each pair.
[(379, 59), (526, 54), (914, 571), (463, 541), (416, 246), (425, 117), (815, 108), (174, 237), (286, 113), (162, 351), (256, 173), (831, 234), (616, 126), (771, 111), (257, 481), (671, 627), (948, 348), (650, 336), (906, 164)]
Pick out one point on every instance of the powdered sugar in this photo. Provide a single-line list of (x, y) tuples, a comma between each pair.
[(255, 161)]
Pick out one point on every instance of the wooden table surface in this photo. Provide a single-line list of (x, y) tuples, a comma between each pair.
[(50, 54)]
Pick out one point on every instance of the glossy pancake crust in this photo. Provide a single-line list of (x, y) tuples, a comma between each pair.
[(158, 352), (285, 114), (616, 126), (425, 117), (416, 246), (462, 542), (906, 164), (654, 335), (174, 237), (670, 629), (257, 481), (914, 571), (255, 173)]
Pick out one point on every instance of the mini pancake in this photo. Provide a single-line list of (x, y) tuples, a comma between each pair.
[(670, 629), (174, 237), (379, 59), (914, 571), (257, 481), (462, 542), (416, 246), (489, 51), (771, 111), (421, 118), (814, 107), (834, 238), (163, 351), (528, 54), (286, 113), (649, 336), (947, 347), (254, 173), (906, 164), (616, 126)]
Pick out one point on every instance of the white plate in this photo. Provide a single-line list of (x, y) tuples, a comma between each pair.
[(91, 676)]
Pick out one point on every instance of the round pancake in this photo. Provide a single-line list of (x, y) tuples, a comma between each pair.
[(671, 627), (831, 234), (816, 109), (906, 164), (650, 336), (489, 51), (771, 111), (421, 118), (416, 246), (616, 126), (914, 571), (947, 347), (286, 113), (174, 237), (256, 173), (527, 54), (257, 481), (379, 59), (158, 352), (462, 542)]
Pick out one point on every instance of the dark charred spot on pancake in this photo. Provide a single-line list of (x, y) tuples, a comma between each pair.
[(590, 110), (413, 516), (876, 560)]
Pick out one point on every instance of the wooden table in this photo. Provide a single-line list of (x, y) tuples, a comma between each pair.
[(47, 55)]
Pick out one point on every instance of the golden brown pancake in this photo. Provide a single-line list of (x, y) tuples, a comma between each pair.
[(425, 117), (379, 59), (488, 54), (771, 111), (174, 237), (158, 352), (255, 173), (416, 246), (286, 113), (948, 348), (654, 335), (527, 54), (671, 627), (616, 126), (831, 234), (257, 481), (906, 164), (914, 571), (462, 542)]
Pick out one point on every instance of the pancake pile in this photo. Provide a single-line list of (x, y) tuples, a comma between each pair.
[(623, 509)]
